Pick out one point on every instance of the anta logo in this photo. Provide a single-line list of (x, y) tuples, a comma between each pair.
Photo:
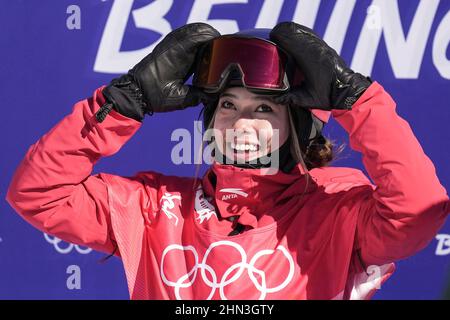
[(229, 196), (232, 193)]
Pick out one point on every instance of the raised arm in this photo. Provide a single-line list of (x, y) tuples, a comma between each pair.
[(409, 205), (53, 188)]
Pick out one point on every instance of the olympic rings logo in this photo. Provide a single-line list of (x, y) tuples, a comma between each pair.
[(188, 279), (56, 244)]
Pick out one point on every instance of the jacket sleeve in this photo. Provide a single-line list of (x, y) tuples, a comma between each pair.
[(53, 188), (408, 205)]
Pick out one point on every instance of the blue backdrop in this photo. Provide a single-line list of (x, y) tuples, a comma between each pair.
[(54, 53)]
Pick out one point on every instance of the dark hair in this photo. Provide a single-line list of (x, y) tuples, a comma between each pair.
[(321, 152)]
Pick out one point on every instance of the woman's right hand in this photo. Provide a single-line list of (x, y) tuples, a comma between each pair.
[(156, 83)]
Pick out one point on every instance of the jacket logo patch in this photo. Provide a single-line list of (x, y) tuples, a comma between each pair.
[(204, 209), (235, 192), (229, 196), (167, 204)]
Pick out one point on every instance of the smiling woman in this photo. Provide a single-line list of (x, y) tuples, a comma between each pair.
[(308, 231), (252, 130), (244, 116), (252, 78)]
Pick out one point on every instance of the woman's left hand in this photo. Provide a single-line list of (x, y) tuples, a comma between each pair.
[(329, 83)]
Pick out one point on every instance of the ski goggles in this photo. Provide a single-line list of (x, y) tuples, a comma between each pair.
[(257, 64)]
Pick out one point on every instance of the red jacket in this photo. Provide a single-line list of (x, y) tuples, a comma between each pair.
[(332, 238)]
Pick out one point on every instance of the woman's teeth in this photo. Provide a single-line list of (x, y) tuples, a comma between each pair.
[(244, 147)]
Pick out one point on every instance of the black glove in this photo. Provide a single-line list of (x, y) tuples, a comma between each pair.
[(156, 83), (329, 83)]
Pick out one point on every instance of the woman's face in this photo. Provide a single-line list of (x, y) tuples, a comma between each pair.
[(249, 125)]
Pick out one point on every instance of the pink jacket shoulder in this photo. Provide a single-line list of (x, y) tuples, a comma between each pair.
[(337, 179)]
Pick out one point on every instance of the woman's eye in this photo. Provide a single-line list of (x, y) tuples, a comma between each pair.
[(264, 108), (227, 105)]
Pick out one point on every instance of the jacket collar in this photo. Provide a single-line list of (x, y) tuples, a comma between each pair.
[(249, 194)]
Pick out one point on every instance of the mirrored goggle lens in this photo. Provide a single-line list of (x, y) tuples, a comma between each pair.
[(262, 64)]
